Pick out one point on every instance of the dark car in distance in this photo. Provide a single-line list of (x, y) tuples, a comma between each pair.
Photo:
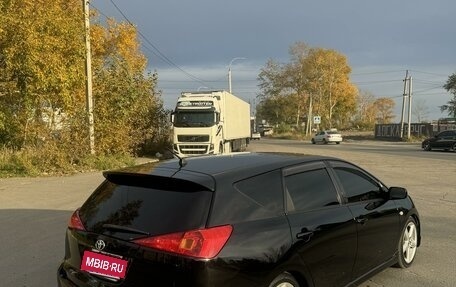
[(445, 140), (248, 219)]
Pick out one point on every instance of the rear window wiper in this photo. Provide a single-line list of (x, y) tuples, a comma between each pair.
[(119, 228)]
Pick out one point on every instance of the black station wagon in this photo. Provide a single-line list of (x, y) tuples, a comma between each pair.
[(249, 219)]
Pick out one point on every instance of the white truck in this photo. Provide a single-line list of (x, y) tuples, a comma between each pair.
[(210, 122)]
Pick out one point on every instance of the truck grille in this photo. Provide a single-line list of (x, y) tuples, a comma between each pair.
[(193, 138), (193, 149)]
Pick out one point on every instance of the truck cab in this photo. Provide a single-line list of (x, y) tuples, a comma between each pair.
[(195, 120), (210, 123)]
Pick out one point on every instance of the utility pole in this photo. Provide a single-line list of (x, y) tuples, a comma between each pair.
[(309, 117), (404, 96), (409, 108), (407, 96), (88, 70)]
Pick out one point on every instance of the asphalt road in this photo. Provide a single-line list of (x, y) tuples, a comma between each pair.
[(430, 179), (34, 211)]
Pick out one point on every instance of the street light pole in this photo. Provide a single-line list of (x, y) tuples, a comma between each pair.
[(229, 71)]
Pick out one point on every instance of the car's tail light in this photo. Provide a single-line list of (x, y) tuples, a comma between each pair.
[(75, 221), (202, 243)]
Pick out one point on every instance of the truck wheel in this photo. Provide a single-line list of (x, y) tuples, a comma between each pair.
[(221, 148)]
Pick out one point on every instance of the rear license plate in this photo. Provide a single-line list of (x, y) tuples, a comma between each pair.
[(101, 264)]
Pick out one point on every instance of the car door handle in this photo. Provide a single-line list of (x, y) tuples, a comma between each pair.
[(304, 235), (361, 220)]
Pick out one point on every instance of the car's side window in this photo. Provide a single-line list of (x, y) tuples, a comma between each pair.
[(311, 189), (357, 185), (265, 190)]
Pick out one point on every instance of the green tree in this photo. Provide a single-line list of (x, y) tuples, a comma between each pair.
[(450, 86), (277, 110), (272, 94)]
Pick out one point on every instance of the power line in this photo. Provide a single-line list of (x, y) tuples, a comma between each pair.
[(377, 82), (154, 49), (429, 82), (428, 89), (373, 73), (99, 11), (435, 74)]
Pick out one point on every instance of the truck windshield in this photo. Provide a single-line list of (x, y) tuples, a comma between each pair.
[(194, 119)]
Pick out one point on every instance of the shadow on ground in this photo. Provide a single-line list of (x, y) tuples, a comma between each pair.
[(32, 246)]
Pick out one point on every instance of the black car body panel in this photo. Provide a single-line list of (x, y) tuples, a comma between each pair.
[(322, 220)]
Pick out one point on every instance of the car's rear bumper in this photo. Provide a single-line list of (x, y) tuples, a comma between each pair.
[(334, 140), (62, 280)]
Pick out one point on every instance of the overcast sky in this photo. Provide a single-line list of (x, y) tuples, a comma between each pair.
[(191, 43)]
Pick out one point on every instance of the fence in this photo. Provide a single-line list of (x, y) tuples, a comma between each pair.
[(421, 130)]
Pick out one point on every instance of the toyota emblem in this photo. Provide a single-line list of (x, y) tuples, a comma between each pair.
[(100, 244)]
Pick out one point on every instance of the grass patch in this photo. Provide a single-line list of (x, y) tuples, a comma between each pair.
[(52, 161), (104, 162)]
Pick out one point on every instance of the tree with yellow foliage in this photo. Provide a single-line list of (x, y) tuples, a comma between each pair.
[(42, 82), (41, 66), (317, 79)]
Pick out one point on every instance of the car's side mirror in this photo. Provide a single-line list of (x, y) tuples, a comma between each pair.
[(397, 192)]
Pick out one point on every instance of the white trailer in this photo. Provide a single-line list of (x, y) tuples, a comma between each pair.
[(210, 122)]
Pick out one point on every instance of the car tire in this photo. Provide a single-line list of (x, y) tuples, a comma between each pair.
[(325, 141), (408, 244), (284, 280), (337, 142), (454, 147), (312, 141), (427, 146)]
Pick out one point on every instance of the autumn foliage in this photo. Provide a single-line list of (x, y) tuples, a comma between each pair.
[(42, 83), (316, 81)]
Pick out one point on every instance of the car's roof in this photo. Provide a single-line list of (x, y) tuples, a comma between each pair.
[(205, 169), (215, 165)]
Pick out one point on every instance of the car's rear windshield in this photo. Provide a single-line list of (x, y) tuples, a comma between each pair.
[(152, 211)]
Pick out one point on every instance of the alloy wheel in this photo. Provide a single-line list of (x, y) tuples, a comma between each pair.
[(427, 146), (409, 242), (285, 284)]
